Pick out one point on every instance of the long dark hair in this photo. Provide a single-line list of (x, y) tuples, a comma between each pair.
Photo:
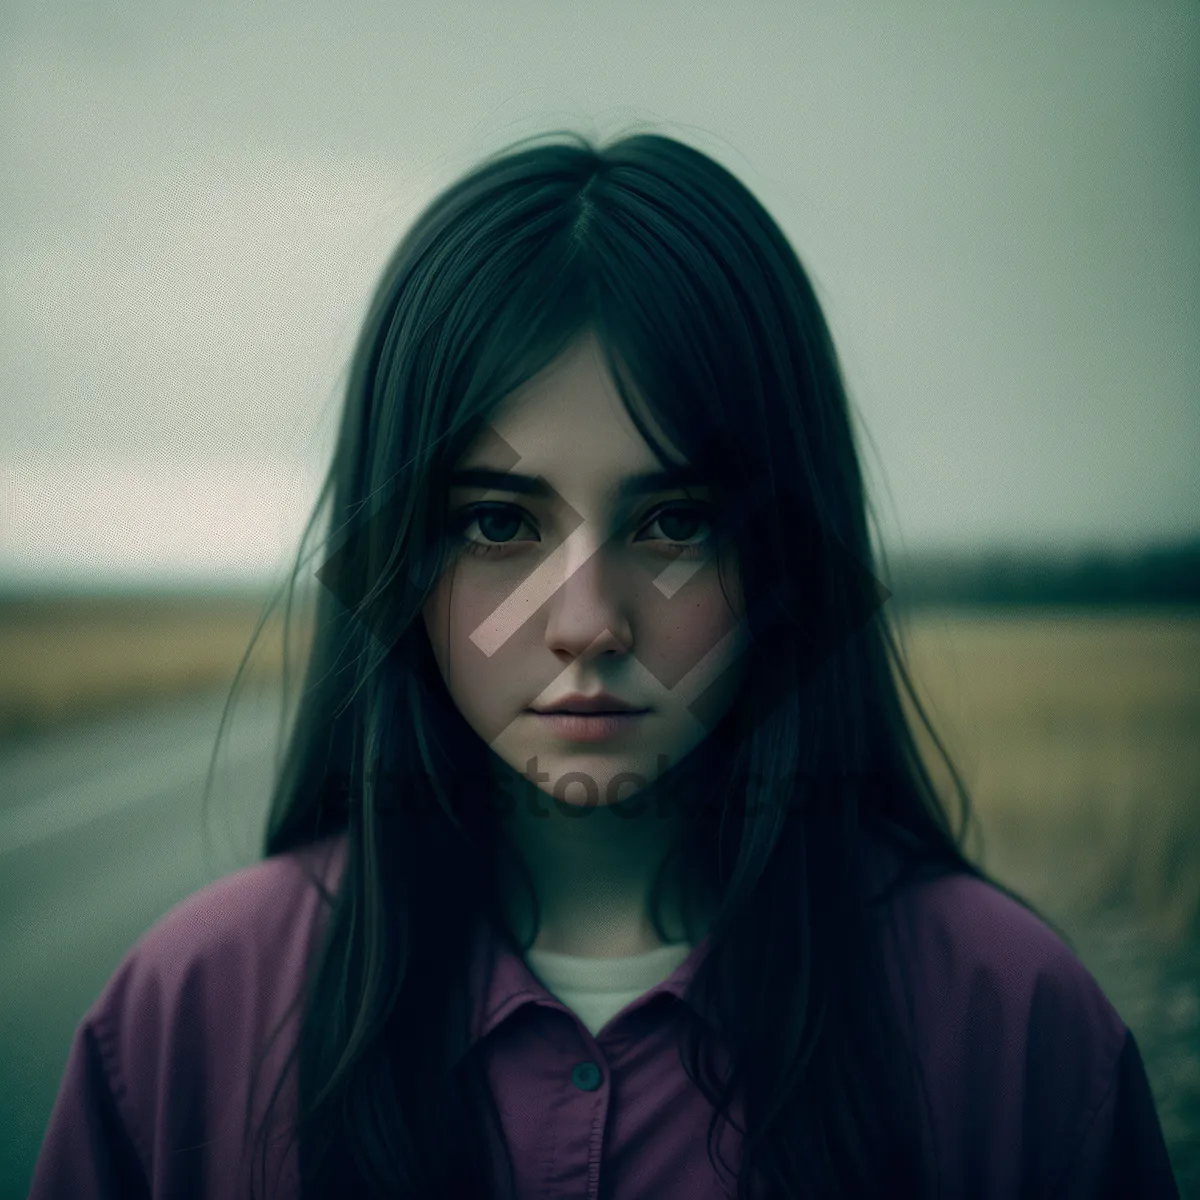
[(707, 318)]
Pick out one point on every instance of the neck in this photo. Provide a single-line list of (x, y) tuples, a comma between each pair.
[(593, 872)]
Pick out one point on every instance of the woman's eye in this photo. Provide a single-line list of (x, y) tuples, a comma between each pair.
[(678, 524), (499, 523)]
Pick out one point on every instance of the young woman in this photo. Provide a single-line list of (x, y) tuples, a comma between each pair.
[(702, 930)]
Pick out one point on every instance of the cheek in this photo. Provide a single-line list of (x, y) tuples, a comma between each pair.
[(437, 624), (481, 685), (680, 634), (457, 608)]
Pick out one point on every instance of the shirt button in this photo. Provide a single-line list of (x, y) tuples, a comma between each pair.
[(586, 1076)]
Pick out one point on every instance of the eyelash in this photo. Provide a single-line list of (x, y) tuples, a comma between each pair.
[(467, 517)]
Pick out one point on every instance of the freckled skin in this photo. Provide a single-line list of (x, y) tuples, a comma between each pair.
[(565, 607)]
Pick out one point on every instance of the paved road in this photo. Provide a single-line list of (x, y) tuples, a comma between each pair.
[(101, 832)]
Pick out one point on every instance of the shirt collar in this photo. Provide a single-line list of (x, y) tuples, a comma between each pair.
[(514, 984)]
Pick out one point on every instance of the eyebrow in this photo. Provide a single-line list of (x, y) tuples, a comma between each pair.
[(644, 484)]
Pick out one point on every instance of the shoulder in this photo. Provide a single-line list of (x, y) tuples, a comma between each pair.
[(182, 1017), (971, 955), (1019, 1046), (984, 955), (161, 1076), (251, 927)]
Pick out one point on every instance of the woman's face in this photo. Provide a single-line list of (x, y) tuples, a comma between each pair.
[(583, 587)]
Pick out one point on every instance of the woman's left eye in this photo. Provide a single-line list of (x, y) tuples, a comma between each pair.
[(688, 515), (496, 522)]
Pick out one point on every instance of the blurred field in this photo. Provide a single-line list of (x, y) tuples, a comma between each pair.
[(1078, 738), (68, 658), (1076, 732)]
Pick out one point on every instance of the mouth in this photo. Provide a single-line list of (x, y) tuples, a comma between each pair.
[(590, 727), (587, 712)]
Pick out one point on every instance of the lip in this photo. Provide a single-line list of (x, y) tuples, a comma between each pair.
[(590, 727), (601, 702)]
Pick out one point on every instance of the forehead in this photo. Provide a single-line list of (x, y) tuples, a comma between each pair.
[(569, 425)]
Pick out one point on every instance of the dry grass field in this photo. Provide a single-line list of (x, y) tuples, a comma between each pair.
[(67, 658), (1078, 738), (1077, 734)]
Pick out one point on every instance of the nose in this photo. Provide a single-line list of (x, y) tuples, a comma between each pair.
[(586, 617)]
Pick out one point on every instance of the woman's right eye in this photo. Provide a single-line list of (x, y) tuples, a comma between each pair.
[(497, 522)]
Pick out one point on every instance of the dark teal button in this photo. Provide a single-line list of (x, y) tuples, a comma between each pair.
[(586, 1076)]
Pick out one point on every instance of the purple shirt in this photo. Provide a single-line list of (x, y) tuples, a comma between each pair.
[(1036, 1083)]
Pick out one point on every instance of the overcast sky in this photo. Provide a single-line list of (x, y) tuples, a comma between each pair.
[(997, 203)]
